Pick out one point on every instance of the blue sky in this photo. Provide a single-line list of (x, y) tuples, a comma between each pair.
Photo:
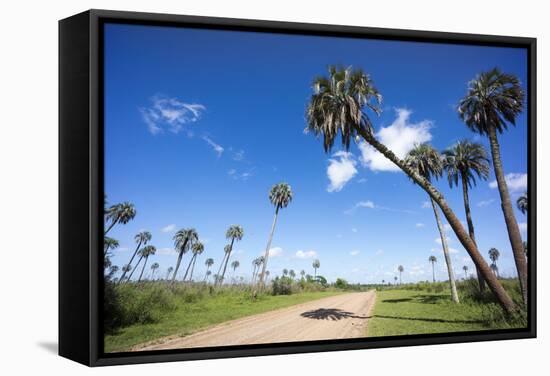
[(199, 124)]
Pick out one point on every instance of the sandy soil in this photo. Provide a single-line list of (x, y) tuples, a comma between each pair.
[(335, 317)]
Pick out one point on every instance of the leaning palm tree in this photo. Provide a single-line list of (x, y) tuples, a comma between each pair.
[(209, 262), (119, 213), (465, 268), (125, 269), (145, 252), (493, 101), (463, 162), (142, 238), (183, 240), (337, 106), (316, 265), (494, 268), (108, 245), (433, 260), (154, 268), (494, 254), (169, 271), (427, 162), (258, 262), (226, 253), (400, 269), (234, 232), (280, 196), (234, 265), (197, 248), (302, 273), (522, 203)]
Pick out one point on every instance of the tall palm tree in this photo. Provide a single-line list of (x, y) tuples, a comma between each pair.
[(463, 162), (125, 269), (493, 101), (234, 265), (302, 273), (316, 265), (257, 262), (113, 269), (197, 248), (234, 232), (108, 245), (145, 252), (494, 268), (142, 238), (280, 196), (209, 262), (292, 273), (226, 252), (119, 213), (337, 107), (285, 272), (207, 274), (169, 271), (427, 162), (395, 279), (433, 260), (465, 268), (154, 268), (400, 269), (183, 240), (522, 203), (267, 273), (494, 254)]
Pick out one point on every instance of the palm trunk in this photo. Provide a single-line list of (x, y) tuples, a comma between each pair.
[(110, 227), (399, 277), (499, 292), (142, 269), (452, 282), (193, 268), (188, 267), (268, 247), (433, 272), (180, 256), (314, 273), (509, 217), (206, 273), (134, 269), (217, 280), (227, 258), (130, 263), (471, 232)]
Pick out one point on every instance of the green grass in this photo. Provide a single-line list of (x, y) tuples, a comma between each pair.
[(197, 309), (423, 310)]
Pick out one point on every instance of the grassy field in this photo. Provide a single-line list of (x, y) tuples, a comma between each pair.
[(423, 310), (184, 311)]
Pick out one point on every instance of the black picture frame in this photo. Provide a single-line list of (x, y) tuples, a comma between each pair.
[(81, 186)]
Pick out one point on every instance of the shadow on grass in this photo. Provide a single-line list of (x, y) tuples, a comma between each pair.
[(431, 299), (333, 314), (403, 300), (428, 319)]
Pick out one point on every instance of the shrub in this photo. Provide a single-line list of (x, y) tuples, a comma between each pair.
[(282, 286)]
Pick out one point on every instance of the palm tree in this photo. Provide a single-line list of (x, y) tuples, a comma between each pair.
[(494, 268), (522, 203), (395, 279), (316, 265), (154, 268), (494, 254), (400, 269), (234, 232), (427, 162), (109, 244), (169, 271), (267, 275), (145, 252), (120, 213), (226, 252), (113, 269), (337, 106), (463, 162), (209, 262), (197, 248), (142, 238), (207, 274), (234, 265), (292, 273), (433, 260), (465, 268), (285, 272), (183, 240), (280, 196), (125, 269), (493, 101), (302, 273), (384, 281)]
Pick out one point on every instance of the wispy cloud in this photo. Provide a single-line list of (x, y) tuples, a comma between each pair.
[(371, 205), (238, 155), (170, 114), (341, 169), (426, 205), (216, 147), (166, 251), (354, 252), (239, 175), (353, 229), (419, 225), (485, 203), (516, 182), (168, 228), (305, 254), (275, 252), (400, 137)]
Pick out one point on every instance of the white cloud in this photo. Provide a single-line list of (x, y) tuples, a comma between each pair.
[(166, 251), (400, 137), (275, 252), (419, 225), (231, 172), (361, 204), (516, 182), (170, 114), (236, 175), (340, 170), (438, 240), (305, 254), (485, 203), (353, 229), (426, 205), (362, 180), (217, 148), (440, 250), (168, 228), (354, 252), (238, 155)]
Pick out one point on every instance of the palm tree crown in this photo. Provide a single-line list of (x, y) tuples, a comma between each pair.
[(234, 232), (147, 251), (523, 203), (425, 160), (197, 248), (465, 160), (316, 264), (235, 264), (494, 254), (400, 268), (280, 195), (143, 237), (184, 238), (493, 99), (337, 105), (209, 262), (432, 259)]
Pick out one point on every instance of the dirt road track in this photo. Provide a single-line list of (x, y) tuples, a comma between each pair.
[(335, 317)]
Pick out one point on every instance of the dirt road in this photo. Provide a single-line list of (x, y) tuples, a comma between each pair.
[(340, 316)]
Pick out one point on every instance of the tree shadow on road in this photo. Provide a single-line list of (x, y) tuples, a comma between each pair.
[(425, 319), (333, 314)]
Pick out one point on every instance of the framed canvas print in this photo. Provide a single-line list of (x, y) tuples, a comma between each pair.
[(236, 187)]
